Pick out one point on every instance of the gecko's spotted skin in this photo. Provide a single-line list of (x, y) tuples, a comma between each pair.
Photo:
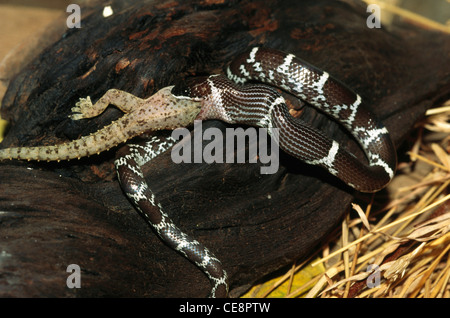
[(234, 101)]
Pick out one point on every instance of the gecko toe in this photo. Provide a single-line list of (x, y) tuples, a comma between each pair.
[(76, 116), (82, 109)]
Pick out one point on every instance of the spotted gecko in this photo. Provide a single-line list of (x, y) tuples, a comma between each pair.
[(162, 110)]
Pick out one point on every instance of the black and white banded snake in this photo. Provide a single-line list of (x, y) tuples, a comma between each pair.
[(233, 101)]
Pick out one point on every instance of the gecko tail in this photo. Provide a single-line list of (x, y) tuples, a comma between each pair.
[(44, 153)]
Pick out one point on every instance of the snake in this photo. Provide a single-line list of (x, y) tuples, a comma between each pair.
[(247, 95), (231, 100)]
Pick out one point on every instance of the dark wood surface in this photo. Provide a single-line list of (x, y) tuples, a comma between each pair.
[(56, 214)]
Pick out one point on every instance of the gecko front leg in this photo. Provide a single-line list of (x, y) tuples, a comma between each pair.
[(126, 102), (128, 165)]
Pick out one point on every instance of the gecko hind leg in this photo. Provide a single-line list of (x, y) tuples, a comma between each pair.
[(126, 102)]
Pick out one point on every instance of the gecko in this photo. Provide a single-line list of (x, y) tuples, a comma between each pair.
[(163, 110)]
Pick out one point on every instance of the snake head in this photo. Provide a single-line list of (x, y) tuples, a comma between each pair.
[(196, 88)]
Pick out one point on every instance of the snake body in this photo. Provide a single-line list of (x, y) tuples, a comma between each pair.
[(260, 105), (128, 165), (233, 100)]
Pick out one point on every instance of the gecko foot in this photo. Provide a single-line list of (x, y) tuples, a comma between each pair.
[(83, 109)]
